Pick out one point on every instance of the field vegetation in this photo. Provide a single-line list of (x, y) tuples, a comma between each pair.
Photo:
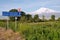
[(34, 28), (37, 31)]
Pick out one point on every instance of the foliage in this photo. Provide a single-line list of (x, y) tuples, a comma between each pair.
[(41, 31), (36, 18), (53, 17), (43, 18), (23, 13), (23, 19), (37, 31), (58, 19), (29, 18), (13, 10), (18, 18)]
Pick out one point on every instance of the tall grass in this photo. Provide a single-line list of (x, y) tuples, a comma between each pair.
[(37, 31), (41, 31)]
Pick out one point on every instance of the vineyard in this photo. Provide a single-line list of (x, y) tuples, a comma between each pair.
[(37, 31)]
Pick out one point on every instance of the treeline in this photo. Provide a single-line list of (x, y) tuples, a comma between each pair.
[(28, 17)]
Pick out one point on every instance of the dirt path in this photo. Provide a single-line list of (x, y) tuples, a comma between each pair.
[(9, 35)]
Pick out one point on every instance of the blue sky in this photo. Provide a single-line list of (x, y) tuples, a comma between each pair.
[(29, 5)]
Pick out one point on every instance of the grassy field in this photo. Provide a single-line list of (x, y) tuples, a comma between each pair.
[(37, 31)]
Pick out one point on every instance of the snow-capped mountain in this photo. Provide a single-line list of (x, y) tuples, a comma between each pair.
[(46, 12), (43, 10)]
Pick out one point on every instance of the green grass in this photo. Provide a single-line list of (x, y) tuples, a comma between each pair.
[(41, 31), (37, 31)]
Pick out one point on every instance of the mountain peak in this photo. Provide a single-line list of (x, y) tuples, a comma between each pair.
[(47, 12), (43, 10)]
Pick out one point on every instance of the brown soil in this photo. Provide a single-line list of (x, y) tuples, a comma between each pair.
[(9, 35)]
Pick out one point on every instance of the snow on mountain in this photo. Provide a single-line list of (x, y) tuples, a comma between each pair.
[(43, 10), (46, 12)]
